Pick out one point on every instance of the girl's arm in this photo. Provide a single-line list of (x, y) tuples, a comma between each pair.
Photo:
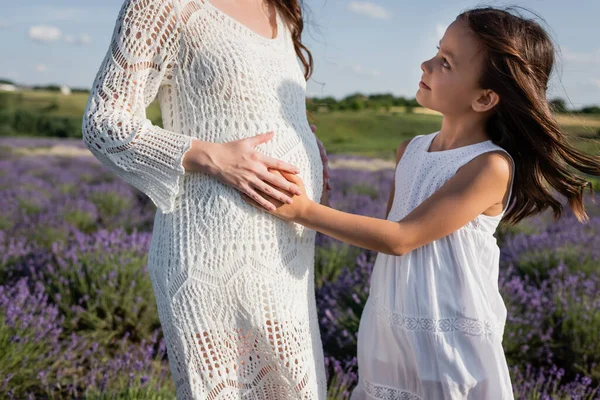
[(477, 186)]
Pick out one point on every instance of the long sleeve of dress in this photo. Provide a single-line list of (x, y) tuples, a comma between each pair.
[(115, 128)]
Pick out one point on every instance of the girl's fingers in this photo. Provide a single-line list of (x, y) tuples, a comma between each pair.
[(274, 163), (259, 200), (250, 201), (280, 182), (292, 178), (273, 195)]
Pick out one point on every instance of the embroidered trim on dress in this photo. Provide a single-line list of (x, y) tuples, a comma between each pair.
[(387, 393), (469, 326)]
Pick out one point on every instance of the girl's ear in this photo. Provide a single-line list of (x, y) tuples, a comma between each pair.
[(487, 100)]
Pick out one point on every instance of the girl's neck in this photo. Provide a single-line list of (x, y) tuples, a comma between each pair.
[(460, 131)]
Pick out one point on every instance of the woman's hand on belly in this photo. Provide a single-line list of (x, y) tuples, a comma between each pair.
[(238, 165)]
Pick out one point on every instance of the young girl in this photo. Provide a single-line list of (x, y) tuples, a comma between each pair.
[(433, 324)]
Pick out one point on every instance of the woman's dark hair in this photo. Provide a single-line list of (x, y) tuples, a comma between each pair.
[(292, 10), (519, 58)]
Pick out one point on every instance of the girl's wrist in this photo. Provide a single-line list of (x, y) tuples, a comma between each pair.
[(305, 211)]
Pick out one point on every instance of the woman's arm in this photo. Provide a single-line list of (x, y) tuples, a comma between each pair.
[(142, 51), (115, 127), (476, 187)]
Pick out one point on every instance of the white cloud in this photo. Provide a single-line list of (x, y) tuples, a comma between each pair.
[(49, 33), (360, 70), (85, 39), (591, 58), (82, 40), (41, 67), (595, 82), (44, 33), (369, 9)]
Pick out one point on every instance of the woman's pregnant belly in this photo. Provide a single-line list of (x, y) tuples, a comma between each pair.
[(218, 211)]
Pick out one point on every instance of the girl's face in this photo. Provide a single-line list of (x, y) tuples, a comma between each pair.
[(450, 80)]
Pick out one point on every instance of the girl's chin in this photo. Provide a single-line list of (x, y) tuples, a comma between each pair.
[(420, 101)]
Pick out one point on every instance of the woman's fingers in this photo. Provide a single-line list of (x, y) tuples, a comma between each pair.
[(274, 163), (260, 138)]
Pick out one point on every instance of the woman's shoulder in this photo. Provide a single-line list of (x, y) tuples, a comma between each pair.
[(150, 12), (148, 5)]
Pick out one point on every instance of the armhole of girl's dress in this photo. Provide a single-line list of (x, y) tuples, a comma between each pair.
[(512, 181), (509, 190), (412, 140)]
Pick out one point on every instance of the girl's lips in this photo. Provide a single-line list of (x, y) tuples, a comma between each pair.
[(424, 86)]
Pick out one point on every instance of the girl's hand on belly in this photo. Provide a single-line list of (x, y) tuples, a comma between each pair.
[(288, 212)]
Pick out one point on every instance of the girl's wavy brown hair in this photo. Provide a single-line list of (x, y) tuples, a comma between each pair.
[(292, 11), (519, 60)]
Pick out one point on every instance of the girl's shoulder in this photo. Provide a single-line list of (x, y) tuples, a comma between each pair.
[(412, 143), (409, 145)]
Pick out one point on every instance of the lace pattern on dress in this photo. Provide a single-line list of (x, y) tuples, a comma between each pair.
[(387, 393), (468, 326)]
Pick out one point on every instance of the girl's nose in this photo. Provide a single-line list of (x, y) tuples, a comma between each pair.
[(425, 66)]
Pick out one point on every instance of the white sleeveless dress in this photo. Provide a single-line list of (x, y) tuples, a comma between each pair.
[(432, 326), (234, 285)]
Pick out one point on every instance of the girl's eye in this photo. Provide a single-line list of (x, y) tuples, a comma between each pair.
[(445, 63)]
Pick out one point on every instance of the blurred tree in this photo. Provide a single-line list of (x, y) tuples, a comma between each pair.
[(558, 105)]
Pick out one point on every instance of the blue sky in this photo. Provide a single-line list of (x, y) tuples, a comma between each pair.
[(359, 46)]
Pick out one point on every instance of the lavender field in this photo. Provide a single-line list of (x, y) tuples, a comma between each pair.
[(78, 317)]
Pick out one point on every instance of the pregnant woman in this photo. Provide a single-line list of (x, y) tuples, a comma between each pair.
[(234, 285)]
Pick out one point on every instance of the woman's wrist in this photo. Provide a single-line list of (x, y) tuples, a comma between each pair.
[(199, 157)]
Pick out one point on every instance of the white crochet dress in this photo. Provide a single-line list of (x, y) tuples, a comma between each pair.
[(234, 285), (432, 326)]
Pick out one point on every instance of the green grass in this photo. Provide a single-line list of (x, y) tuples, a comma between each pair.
[(373, 133), (369, 132), (365, 132)]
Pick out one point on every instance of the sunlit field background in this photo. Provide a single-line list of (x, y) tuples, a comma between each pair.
[(78, 317)]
